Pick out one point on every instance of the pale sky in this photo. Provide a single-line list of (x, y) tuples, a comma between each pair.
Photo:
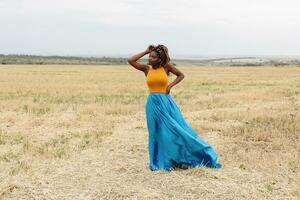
[(198, 27)]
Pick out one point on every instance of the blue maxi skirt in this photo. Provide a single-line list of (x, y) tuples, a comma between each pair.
[(172, 142)]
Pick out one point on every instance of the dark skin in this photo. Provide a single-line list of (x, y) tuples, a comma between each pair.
[(154, 61)]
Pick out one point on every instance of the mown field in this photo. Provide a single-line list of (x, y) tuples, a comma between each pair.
[(79, 132)]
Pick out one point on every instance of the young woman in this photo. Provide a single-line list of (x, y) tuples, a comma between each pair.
[(172, 142)]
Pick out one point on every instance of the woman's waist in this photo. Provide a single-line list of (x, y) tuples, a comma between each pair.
[(157, 93), (157, 90)]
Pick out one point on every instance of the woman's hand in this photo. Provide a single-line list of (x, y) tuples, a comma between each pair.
[(168, 89), (150, 48)]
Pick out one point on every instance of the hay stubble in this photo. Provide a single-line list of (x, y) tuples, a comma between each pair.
[(79, 132)]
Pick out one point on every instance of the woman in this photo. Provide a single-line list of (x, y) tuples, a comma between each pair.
[(172, 142)]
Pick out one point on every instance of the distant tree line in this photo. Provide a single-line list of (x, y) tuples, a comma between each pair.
[(77, 60), (33, 59)]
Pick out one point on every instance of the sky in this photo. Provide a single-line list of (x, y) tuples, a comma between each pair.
[(124, 27)]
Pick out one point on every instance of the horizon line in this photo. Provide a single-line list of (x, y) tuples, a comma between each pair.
[(175, 56)]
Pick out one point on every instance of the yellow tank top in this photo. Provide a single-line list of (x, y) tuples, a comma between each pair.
[(157, 79)]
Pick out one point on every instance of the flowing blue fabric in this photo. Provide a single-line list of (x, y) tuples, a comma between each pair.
[(172, 142)]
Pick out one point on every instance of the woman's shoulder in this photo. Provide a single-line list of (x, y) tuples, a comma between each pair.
[(168, 67)]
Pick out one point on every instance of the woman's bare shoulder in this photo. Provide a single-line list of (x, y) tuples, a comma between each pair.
[(169, 66), (173, 69)]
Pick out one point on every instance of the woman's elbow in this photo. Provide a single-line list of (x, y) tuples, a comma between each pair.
[(129, 60)]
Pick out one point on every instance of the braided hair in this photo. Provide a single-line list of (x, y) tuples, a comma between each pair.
[(162, 52)]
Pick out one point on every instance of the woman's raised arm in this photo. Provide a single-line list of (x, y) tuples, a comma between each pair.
[(133, 59)]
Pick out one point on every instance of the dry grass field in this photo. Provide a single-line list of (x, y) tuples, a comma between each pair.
[(79, 132)]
